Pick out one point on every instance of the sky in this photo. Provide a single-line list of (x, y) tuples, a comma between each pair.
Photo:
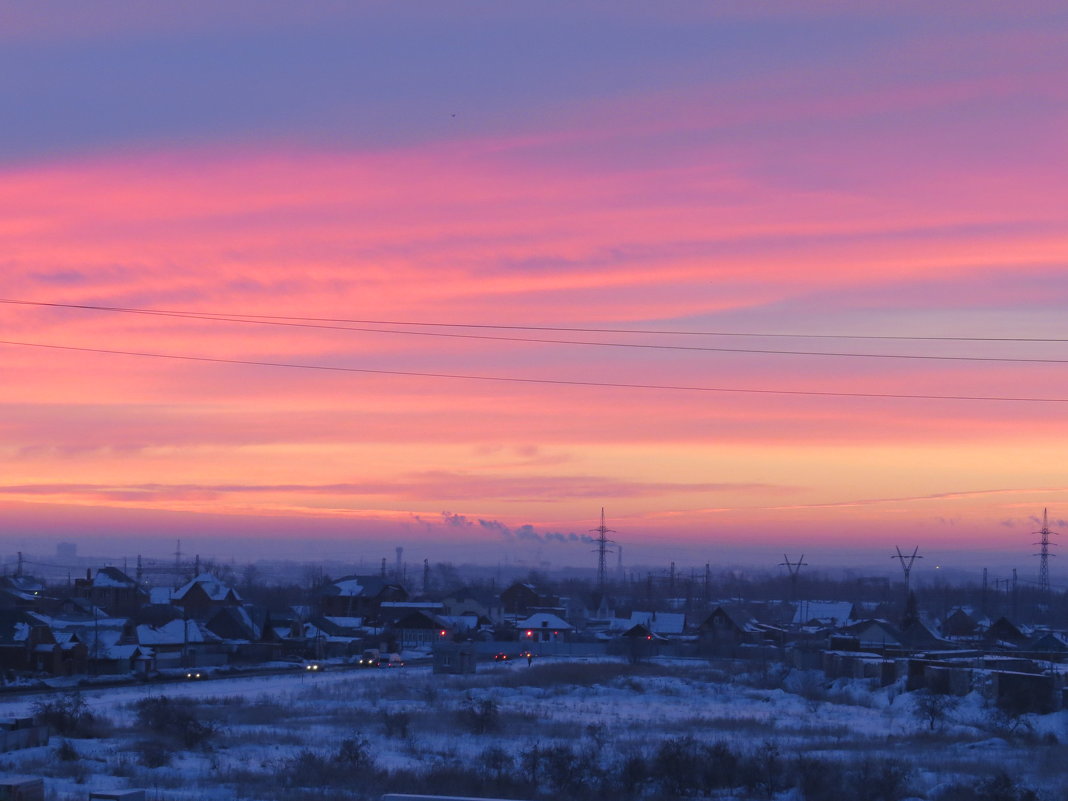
[(425, 199)]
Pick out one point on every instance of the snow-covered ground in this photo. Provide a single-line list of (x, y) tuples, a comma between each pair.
[(275, 735)]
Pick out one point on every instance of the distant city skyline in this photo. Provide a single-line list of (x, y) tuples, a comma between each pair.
[(456, 278)]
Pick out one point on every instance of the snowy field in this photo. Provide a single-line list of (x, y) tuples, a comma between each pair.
[(560, 730)]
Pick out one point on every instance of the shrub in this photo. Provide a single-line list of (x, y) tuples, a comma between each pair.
[(152, 753), (633, 773), (879, 780), (396, 723), (68, 715), (481, 717), (496, 762), (65, 752), (934, 708), (679, 762), (819, 780), (351, 764), (998, 788), (175, 719)]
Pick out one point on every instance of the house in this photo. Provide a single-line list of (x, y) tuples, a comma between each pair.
[(111, 590), (959, 624), (521, 600), (543, 627), (27, 643), (823, 614), (88, 640), (469, 601), (1003, 633), (663, 624), (334, 636), (181, 643), (731, 625), (204, 595), (1049, 642), (418, 629), (915, 635), (359, 596), (873, 633)]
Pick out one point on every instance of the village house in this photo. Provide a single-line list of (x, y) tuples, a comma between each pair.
[(111, 590), (543, 627), (359, 596), (203, 596)]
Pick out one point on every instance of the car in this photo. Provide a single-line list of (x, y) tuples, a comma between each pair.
[(313, 667), (501, 656), (391, 661), (369, 658), (194, 675)]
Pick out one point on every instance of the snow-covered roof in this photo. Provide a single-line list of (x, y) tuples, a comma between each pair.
[(834, 612), (348, 588), (344, 622), (211, 586), (461, 622), (99, 641), (657, 622), (170, 633), (544, 620), (112, 577), (160, 595)]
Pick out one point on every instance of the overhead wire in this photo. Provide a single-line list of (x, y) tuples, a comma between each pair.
[(563, 329), (541, 381), (327, 324)]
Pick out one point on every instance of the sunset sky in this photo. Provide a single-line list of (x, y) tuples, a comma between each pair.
[(529, 169)]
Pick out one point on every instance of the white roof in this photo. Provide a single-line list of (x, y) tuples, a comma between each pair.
[(170, 633), (461, 622), (345, 622), (160, 595), (349, 588), (544, 620), (215, 589), (659, 622), (103, 579), (834, 611)]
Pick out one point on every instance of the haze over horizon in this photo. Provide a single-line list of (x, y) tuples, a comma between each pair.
[(415, 266)]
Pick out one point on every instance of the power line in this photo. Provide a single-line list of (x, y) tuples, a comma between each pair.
[(264, 318), (549, 381)]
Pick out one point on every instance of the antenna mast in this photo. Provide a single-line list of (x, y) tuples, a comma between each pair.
[(1044, 554), (602, 532)]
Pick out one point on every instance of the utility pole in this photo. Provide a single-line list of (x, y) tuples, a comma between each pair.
[(982, 601), (1043, 556), (18, 568), (906, 566), (426, 576), (602, 532)]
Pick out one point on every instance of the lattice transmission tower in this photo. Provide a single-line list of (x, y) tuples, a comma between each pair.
[(794, 569), (1044, 554), (906, 566), (602, 532)]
